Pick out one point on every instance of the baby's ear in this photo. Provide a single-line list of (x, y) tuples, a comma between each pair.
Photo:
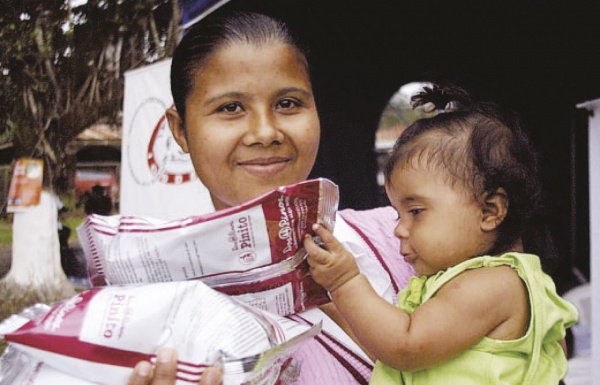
[(177, 128), (494, 209)]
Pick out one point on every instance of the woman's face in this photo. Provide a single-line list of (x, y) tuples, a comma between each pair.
[(251, 122)]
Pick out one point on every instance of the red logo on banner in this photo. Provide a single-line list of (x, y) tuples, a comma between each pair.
[(158, 158), (164, 156)]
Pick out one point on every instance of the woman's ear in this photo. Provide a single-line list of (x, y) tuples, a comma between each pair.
[(177, 128), (494, 209)]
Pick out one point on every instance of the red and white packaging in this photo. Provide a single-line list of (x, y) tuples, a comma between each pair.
[(253, 251), (19, 368), (99, 335), (282, 288)]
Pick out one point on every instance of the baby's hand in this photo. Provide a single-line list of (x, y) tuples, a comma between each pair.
[(330, 267)]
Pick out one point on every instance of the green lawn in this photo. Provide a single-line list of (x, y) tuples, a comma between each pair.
[(5, 232), (71, 220), (73, 223)]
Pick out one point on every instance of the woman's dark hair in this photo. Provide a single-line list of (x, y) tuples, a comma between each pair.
[(218, 31), (482, 147)]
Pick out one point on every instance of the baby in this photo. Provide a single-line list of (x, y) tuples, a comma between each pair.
[(481, 310)]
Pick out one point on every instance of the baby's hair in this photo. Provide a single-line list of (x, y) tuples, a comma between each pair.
[(482, 147), (221, 30)]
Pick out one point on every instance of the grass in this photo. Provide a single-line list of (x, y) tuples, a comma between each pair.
[(5, 232), (71, 220)]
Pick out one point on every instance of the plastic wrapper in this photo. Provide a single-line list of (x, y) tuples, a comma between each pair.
[(99, 335), (19, 368), (253, 251), (282, 288)]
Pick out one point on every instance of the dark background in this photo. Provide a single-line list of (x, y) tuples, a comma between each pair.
[(539, 58)]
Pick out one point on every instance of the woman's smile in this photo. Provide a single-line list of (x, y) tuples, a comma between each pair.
[(265, 167)]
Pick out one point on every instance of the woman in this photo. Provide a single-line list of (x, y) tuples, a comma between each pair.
[(246, 114)]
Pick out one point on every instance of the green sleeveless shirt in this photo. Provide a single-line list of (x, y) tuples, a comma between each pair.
[(534, 359)]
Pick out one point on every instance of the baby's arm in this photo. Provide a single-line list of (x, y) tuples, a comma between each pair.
[(474, 304)]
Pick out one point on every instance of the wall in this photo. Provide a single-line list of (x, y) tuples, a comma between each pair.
[(594, 186)]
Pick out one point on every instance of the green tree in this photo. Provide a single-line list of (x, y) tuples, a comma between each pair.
[(62, 66)]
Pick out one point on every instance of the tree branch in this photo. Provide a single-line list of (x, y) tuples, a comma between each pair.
[(154, 33), (42, 49)]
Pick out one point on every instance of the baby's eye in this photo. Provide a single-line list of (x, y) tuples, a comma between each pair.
[(231, 108), (416, 211)]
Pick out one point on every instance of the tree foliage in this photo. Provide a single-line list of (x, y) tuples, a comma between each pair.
[(61, 67)]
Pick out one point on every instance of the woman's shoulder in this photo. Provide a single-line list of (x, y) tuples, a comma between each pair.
[(373, 230), (379, 209), (375, 225), (379, 219)]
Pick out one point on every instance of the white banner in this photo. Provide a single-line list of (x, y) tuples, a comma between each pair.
[(157, 178)]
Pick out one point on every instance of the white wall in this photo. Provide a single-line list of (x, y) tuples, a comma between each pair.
[(594, 181)]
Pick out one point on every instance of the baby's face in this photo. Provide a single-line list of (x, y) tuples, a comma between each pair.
[(439, 223)]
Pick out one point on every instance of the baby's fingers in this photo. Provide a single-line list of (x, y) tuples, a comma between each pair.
[(315, 252), (330, 242)]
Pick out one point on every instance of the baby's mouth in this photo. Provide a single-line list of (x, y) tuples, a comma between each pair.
[(410, 258)]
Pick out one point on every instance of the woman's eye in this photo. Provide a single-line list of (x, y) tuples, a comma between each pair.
[(231, 108), (287, 104)]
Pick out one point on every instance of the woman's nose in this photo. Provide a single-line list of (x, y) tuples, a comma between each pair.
[(264, 130)]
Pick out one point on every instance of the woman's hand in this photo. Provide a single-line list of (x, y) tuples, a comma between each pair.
[(165, 371)]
